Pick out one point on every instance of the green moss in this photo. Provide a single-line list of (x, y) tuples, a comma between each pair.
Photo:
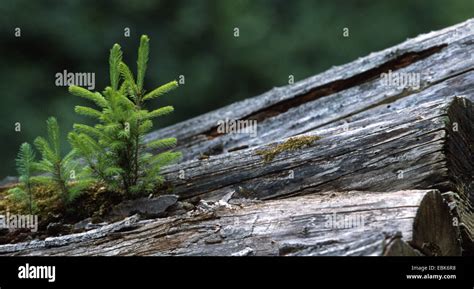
[(291, 144)]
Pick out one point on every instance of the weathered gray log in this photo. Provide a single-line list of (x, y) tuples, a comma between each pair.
[(415, 148), (339, 94), (332, 223), (367, 157)]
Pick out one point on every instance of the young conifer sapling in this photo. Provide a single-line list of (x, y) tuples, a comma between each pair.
[(56, 170), (25, 164), (114, 148)]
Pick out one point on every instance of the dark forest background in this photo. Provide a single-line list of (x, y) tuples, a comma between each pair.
[(192, 38)]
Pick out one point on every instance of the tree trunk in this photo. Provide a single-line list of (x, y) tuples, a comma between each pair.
[(332, 223), (415, 148)]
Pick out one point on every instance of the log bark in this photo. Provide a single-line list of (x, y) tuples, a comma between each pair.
[(332, 223), (340, 94), (385, 152), (415, 148)]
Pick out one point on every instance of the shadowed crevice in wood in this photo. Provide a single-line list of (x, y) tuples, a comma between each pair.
[(385, 102)]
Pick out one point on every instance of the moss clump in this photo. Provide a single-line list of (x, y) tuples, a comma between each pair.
[(291, 144)]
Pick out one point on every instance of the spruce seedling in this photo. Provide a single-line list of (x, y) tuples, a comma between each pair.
[(56, 170), (25, 163), (114, 148)]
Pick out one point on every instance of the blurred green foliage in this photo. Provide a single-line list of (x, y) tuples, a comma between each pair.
[(194, 39)]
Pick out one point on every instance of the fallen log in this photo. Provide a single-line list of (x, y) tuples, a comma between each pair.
[(352, 91), (415, 148), (332, 223)]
